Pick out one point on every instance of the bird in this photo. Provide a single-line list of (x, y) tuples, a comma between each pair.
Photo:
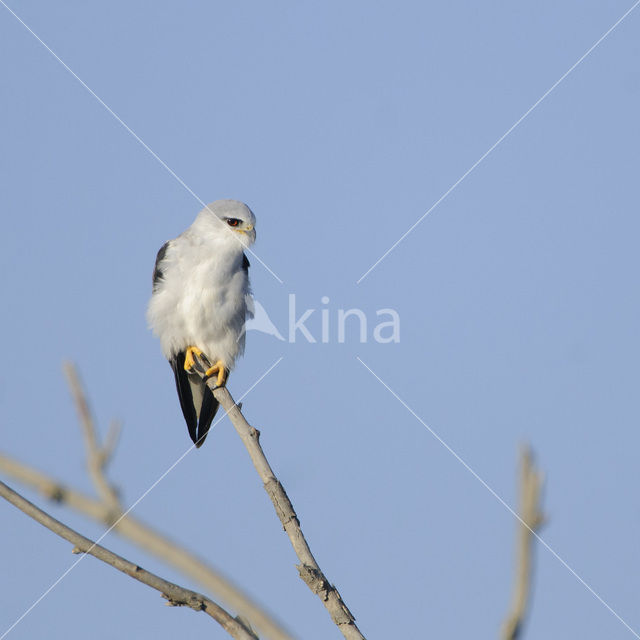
[(200, 301)]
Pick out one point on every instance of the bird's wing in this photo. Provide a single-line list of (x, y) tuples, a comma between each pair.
[(251, 308), (157, 269), (248, 298)]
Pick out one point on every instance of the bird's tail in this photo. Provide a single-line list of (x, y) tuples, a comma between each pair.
[(199, 407), (207, 413)]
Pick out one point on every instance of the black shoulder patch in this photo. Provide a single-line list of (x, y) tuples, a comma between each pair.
[(245, 263), (157, 270)]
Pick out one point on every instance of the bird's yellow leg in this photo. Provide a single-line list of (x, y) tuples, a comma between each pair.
[(222, 372), (189, 361)]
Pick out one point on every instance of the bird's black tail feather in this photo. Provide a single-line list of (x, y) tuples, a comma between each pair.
[(184, 393), (198, 422), (208, 411)]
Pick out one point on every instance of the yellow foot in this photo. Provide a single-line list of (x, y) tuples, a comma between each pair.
[(189, 361), (221, 370)]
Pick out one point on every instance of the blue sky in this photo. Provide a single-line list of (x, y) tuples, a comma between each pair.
[(340, 124)]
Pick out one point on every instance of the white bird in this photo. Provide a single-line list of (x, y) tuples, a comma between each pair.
[(200, 302)]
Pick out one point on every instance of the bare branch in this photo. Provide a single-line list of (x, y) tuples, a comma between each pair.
[(308, 568), (176, 595), (148, 540), (97, 457), (532, 519), (53, 490), (110, 442)]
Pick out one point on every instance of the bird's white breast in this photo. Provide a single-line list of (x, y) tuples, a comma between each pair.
[(201, 298)]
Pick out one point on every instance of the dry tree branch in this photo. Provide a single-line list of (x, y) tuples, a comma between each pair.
[(532, 519), (110, 511), (111, 442), (97, 456), (176, 595), (148, 540), (308, 568)]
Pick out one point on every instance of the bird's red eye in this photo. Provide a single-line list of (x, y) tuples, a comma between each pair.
[(233, 222)]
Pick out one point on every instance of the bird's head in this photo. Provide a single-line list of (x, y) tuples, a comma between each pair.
[(231, 217)]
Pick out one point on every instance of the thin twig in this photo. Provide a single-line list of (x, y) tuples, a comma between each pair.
[(97, 457), (530, 489), (308, 568), (176, 595), (110, 442), (148, 540)]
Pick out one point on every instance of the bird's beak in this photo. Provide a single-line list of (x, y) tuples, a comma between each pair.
[(248, 228)]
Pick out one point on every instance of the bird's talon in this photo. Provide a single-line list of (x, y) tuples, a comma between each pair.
[(189, 360), (217, 369)]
